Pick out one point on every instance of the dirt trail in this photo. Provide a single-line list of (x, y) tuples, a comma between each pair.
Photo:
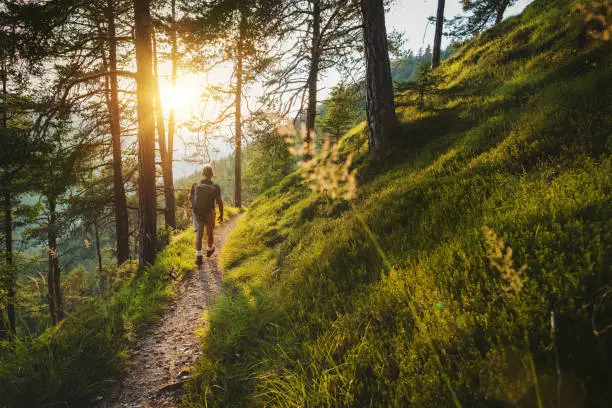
[(162, 355)]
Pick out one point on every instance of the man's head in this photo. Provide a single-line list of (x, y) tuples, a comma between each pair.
[(207, 171)]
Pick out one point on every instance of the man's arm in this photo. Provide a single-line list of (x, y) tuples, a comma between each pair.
[(220, 204), (191, 196)]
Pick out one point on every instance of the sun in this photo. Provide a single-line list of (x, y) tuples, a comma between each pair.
[(192, 96), (184, 97)]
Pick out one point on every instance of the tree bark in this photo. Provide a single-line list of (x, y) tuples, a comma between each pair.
[(8, 257), (380, 108), (99, 254), (437, 48), (5, 331), (313, 75), (120, 200), (169, 216), (145, 95), (170, 198), (238, 116), (53, 276), (501, 9)]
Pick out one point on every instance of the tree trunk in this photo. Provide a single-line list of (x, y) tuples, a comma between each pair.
[(379, 98), (501, 9), (120, 201), (169, 215), (168, 171), (53, 276), (8, 257), (99, 254), (238, 117), (145, 95), (8, 231), (313, 75), (435, 60)]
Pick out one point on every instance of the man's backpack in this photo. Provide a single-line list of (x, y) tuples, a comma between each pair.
[(204, 196)]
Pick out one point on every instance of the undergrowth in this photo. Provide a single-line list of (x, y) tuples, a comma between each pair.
[(70, 363), (512, 151)]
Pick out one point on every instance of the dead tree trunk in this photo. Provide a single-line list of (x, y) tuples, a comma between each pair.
[(380, 108), (145, 95), (120, 201), (435, 60)]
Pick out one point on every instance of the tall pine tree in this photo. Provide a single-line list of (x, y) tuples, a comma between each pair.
[(380, 107), (437, 48), (145, 95), (244, 26)]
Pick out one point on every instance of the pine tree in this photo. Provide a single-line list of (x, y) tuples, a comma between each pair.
[(170, 213), (342, 111), (245, 26), (54, 175), (331, 36), (112, 102), (145, 94), (17, 148), (481, 14), (59, 30), (380, 105), (435, 59)]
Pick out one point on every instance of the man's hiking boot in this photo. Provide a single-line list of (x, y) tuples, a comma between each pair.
[(199, 260), (209, 252)]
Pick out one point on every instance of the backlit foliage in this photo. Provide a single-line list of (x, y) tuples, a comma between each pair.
[(500, 258), (322, 167), (598, 17)]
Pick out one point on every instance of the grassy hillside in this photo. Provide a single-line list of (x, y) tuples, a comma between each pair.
[(410, 295)]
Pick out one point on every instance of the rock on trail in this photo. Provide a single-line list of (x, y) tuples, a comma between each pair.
[(161, 357)]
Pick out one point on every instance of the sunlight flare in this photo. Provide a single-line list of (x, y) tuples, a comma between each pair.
[(184, 97)]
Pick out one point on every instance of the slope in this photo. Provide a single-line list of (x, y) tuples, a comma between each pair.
[(414, 293)]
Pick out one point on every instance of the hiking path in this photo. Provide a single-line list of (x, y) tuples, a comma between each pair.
[(161, 357)]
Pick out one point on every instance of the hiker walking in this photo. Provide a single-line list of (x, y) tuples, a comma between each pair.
[(202, 197)]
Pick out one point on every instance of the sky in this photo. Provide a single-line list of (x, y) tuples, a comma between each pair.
[(410, 17), (407, 16)]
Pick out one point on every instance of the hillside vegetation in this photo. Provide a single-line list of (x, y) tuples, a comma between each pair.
[(410, 295), (71, 363)]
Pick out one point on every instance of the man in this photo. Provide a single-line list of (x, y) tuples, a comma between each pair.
[(202, 197)]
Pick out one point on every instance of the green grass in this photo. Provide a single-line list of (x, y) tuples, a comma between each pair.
[(517, 139), (74, 361)]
